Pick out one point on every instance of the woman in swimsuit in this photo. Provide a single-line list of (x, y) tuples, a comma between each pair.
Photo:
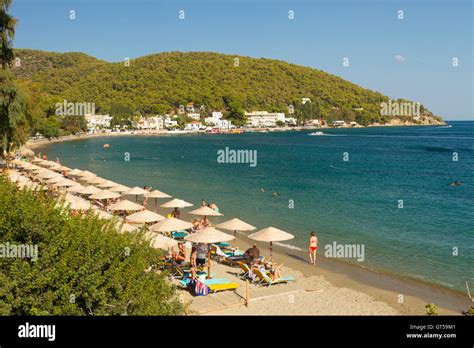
[(313, 247)]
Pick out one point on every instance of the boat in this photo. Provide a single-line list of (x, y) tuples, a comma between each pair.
[(317, 133)]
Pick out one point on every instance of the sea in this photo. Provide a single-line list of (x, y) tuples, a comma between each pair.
[(389, 189)]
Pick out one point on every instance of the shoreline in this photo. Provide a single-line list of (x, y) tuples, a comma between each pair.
[(34, 144), (382, 286)]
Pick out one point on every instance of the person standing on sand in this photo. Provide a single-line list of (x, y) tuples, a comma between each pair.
[(313, 247)]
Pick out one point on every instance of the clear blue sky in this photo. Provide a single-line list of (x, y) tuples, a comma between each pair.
[(409, 58)]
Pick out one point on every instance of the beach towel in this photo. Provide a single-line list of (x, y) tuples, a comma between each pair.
[(200, 289)]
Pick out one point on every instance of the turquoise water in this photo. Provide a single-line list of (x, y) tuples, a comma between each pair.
[(354, 201)]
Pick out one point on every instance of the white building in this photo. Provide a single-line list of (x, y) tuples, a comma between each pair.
[(291, 121), (194, 116), (193, 126), (97, 122), (155, 122), (216, 120), (339, 123), (305, 100), (264, 118), (169, 123)]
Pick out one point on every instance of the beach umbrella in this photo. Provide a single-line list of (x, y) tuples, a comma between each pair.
[(236, 225), (85, 173), (136, 191), (48, 175), (37, 160), (176, 203), (48, 164), (55, 179), (96, 181), (157, 194), (91, 179), (104, 194), (144, 216), (107, 184), (160, 241), (27, 153), (38, 170), (271, 234), (102, 214), (126, 205), (170, 224), (205, 211), (129, 228), (75, 172), (208, 236), (75, 189), (65, 183), (80, 204), (61, 168), (89, 190), (119, 188)]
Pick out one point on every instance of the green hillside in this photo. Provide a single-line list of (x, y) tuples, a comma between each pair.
[(159, 83)]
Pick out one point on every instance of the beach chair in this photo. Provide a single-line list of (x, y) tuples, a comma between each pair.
[(179, 234), (179, 272), (266, 280), (245, 269), (223, 287)]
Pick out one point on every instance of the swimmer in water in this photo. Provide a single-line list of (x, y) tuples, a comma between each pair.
[(455, 183), (262, 190), (275, 194)]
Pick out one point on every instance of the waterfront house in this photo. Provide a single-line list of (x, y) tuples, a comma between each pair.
[(263, 119), (97, 122)]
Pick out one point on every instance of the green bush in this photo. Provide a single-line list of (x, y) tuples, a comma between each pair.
[(84, 267)]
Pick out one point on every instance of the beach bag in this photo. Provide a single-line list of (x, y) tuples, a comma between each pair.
[(200, 289)]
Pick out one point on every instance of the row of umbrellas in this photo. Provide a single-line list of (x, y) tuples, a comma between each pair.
[(106, 189)]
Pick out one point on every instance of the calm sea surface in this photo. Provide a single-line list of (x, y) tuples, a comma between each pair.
[(355, 201)]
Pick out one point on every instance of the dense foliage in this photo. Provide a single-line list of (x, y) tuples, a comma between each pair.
[(162, 82), (84, 267)]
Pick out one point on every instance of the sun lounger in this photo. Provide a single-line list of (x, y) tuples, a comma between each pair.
[(179, 234), (266, 280), (245, 269), (223, 287), (214, 281)]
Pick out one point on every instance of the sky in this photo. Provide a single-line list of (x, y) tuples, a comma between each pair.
[(403, 55)]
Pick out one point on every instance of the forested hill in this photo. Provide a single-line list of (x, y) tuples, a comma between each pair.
[(160, 82)]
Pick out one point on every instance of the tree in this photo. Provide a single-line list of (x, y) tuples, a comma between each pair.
[(14, 126), (307, 111), (7, 32)]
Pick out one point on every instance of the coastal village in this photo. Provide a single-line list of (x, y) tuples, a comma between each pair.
[(197, 120)]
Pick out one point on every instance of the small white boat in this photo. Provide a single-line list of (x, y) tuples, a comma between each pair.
[(316, 133)]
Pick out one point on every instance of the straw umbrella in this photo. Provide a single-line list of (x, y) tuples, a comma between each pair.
[(107, 184), (136, 191), (145, 216), (271, 234), (176, 203), (55, 179), (162, 242), (208, 236), (65, 183), (75, 172), (96, 181), (126, 205), (104, 194), (205, 211), (119, 188), (47, 175), (170, 224), (89, 190), (156, 194), (80, 204), (85, 173), (75, 189), (129, 228), (236, 225)]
